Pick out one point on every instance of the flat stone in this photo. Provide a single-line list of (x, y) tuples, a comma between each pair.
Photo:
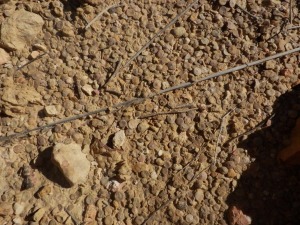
[(270, 64), (71, 162), (20, 29), (199, 195), (204, 41), (68, 29), (197, 71), (119, 139), (18, 208), (34, 54), (87, 89), (39, 214), (51, 110), (179, 31)]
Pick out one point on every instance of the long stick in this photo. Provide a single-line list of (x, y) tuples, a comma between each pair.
[(103, 11), (139, 100), (160, 32), (219, 135)]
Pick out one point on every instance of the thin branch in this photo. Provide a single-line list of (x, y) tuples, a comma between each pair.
[(248, 13), (100, 14), (165, 113), (160, 32), (219, 134), (139, 100), (282, 28), (291, 11), (115, 73), (150, 41), (293, 28), (31, 61), (158, 209), (258, 126)]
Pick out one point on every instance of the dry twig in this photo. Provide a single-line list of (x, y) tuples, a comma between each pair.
[(293, 28), (282, 28), (31, 61), (115, 73), (258, 126), (101, 13), (291, 11), (248, 13), (219, 134), (139, 100), (160, 32), (165, 113)]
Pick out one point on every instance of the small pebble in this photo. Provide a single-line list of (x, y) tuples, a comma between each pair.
[(189, 218), (142, 127), (119, 139), (199, 195), (87, 89), (197, 71), (179, 31), (39, 214), (19, 208), (51, 110)]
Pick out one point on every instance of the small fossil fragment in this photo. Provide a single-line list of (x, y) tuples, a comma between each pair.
[(29, 177)]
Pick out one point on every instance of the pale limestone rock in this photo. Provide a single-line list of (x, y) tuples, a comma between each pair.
[(51, 110), (72, 162), (20, 29), (87, 89), (119, 139)]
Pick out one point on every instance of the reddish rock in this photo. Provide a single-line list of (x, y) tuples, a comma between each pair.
[(237, 217)]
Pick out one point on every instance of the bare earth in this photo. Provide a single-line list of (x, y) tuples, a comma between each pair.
[(205, 154)]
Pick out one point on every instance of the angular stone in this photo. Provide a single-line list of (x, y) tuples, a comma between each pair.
[(119, 139), (51, 110), (87, 89), (20, 29), (39, 214), (179, 31), (71, 162)]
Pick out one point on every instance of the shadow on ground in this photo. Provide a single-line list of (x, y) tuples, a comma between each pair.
[(49, 170), (268, 191)]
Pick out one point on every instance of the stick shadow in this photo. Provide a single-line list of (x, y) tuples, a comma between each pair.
[(268, 191)]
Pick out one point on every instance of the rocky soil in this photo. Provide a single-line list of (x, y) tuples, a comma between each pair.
[(199, 155)]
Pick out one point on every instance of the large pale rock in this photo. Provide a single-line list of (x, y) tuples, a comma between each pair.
[(20, 29), (71, 162)]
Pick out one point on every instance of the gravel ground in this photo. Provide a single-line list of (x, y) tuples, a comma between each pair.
[(184, 157)]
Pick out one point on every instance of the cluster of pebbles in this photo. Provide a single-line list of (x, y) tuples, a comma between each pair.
[(135, 165)]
